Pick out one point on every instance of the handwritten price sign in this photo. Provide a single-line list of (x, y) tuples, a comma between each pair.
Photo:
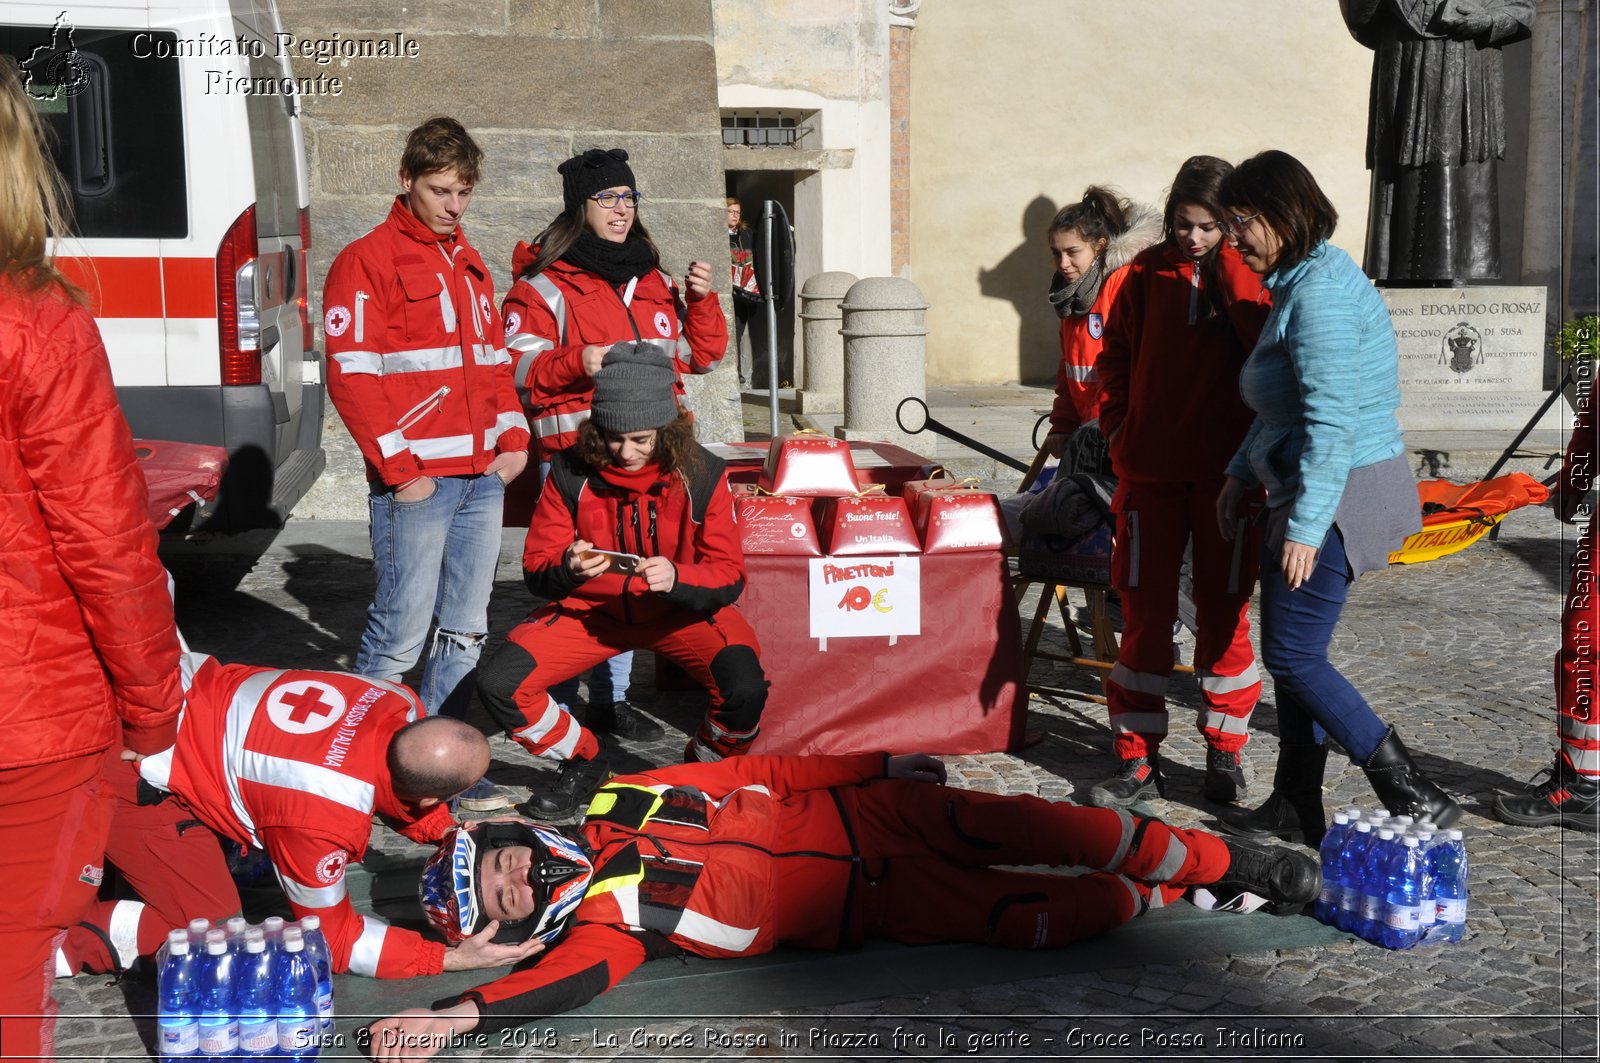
[(854, 597)]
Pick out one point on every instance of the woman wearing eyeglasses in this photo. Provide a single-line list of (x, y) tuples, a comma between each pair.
[(593, 278), (1188, 314), (1324, 382)]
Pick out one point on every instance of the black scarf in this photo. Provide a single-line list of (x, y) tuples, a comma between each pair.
[(612, 262), (1078, 297)]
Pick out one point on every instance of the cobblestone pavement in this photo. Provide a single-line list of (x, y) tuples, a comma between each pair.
[(1457, 653)]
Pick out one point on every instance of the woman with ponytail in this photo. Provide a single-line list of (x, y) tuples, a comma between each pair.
[(1091, 241), (1188, 314)]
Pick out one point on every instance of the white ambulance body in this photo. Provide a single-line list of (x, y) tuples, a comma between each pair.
[(191, 226)]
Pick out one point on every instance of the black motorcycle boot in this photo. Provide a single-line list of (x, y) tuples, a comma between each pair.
[(1289, 879), (1402, 787), (1293, 811)]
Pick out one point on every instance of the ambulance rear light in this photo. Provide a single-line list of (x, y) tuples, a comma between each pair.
[(238, 310), (308, 338)]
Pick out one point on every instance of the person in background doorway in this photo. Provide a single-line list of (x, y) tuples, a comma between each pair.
[(1188, 313), (746, 292), (91, 647), (418, 370), (593, 278)]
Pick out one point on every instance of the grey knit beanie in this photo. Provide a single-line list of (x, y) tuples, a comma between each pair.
[(633, 389)]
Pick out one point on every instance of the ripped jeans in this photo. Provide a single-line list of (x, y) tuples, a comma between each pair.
[(435, 562)]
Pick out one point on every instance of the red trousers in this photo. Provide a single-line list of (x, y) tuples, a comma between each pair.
[(1575, 663), (54, 819), (720, 652), (1155, 522), (170, 859), (928, 866)]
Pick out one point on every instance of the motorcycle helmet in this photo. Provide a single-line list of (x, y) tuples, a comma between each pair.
[(451, 892)]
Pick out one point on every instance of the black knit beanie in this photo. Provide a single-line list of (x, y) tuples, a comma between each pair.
[(594, 170), (633, 389)]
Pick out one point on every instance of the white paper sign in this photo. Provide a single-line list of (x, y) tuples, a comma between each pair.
[(858, 596)]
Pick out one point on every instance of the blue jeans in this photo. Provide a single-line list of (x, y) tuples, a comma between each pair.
[(1296, 627), (605, 684), (435, 561)]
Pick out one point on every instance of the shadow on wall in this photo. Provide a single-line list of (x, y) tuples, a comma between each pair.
[(1022, 279)]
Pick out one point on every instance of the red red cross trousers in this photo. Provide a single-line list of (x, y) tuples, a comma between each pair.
[(307, 703)]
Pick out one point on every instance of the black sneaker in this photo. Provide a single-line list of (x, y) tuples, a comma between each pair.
[(1566, 798), (575, 785), (1224, 777), (1138, 779), (1288, 879), (623, 720)]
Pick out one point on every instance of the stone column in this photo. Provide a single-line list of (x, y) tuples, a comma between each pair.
[(885, 357), (822, 345)]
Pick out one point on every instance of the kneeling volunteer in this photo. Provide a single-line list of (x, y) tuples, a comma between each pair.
[(844, 847), (635, 483)]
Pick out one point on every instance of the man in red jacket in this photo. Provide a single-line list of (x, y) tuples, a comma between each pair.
[(417, 367), (735, 858), (1570, 796), (296, 764)]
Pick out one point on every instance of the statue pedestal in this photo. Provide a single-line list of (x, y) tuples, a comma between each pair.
[(1471, 359)]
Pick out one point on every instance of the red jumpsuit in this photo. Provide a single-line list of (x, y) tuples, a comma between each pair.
[(1170, 406), (1077, 379), (737, 858), (1580, 617), (90, 653), (293, 762), (552, 316), (686, 520)]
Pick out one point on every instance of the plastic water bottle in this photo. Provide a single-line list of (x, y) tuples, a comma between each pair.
[(272, 927), (1429, 915), (258, 1019), (295, 986), (236, 928), (178, 1025), (1375, 883), (197, 936), (219, 1022), (1402, 912), (322, 963), (1450, 885), (1355, 852), (1331, 850)]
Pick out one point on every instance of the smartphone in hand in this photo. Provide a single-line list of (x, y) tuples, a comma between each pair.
[(622, 564)]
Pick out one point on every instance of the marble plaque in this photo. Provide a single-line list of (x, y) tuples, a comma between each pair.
[(1471, 359)]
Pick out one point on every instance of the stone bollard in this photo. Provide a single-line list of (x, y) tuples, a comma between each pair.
[(885, 357), (822, 346)]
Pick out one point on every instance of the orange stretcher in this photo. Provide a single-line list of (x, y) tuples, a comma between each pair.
[(1454, 516)]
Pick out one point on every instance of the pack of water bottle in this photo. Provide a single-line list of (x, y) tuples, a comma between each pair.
[(245, 992), (1394, 881)]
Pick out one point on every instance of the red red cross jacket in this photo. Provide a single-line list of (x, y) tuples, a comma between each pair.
[(550, 318), (292, 762), (1169, 370), (688, 520), (416, 364), (708, 871)]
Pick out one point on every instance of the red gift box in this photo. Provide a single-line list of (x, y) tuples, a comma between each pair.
[(913, 490), (775, 524), (810, 465), (868, 524), (959, 520)]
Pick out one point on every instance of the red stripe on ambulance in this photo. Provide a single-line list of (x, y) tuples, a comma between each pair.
[(145, 286)]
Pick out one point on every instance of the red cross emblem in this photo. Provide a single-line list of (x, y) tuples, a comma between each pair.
[(305, 706)]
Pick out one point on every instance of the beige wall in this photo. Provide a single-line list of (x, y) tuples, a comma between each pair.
[(1018, 105)]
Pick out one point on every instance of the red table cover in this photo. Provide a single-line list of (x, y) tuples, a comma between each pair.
[(178, 475), (956, 688)]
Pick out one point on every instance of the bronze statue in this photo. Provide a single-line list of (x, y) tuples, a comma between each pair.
[(1436, 129)]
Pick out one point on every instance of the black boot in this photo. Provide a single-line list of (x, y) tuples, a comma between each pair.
[(623, 720), (1402, 787), (1138, 779), (1566, 798), (1224, 782), (575, 785), (1293, 811), (1288, 879)]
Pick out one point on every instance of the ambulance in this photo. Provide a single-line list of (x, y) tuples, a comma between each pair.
[(177, 129)]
